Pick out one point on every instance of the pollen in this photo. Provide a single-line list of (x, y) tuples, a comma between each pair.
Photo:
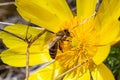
[(81, 45), (69, 24)]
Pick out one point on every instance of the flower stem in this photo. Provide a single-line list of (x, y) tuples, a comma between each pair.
[(6, 3), (6, 23)]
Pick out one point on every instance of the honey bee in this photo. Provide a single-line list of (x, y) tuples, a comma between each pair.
[(56, 44)]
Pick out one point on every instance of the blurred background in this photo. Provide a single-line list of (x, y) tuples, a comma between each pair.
[(8, 13)]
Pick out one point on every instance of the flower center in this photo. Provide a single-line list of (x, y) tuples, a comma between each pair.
[(80, 46)]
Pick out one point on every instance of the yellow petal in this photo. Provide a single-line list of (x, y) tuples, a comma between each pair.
[(47, 73), (17, 56), (101, 54), (109, 10), (117, 40), (85, 8), (74, 76), (109, 32), (102, 73), (45, 13), (19, 30)]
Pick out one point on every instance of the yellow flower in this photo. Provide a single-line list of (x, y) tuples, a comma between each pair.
[(15, 55), (91, 36)]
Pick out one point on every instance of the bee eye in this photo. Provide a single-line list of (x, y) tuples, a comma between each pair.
[(67, 32)]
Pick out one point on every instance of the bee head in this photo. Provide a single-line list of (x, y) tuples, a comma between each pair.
[(67, 33)]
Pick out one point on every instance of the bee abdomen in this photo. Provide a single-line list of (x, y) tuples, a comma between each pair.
[(53, 50), (53, 55)]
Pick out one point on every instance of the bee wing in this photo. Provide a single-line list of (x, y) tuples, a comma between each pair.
[(52, 44), (47, 38)]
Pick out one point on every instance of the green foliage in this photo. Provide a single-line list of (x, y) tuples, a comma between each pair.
[(113, 61)]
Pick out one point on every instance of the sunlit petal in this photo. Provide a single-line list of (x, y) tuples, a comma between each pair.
[(109, 11), (21, 31), (45, 13), (47, 73), (17, 56), (101, 54), (102, 73), (85, 8), (109, 32), (73, 76), (18, 30)]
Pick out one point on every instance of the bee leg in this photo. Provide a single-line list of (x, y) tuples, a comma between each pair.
[(91, 78), (60, 47)]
